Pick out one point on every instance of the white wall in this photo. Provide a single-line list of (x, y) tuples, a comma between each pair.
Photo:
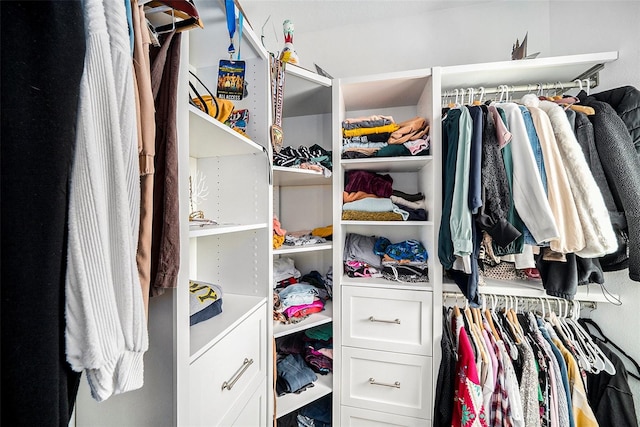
[(350, 38)]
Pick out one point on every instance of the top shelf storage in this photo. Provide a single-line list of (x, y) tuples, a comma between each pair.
[(385, 90), (528, 71), (301, 86)]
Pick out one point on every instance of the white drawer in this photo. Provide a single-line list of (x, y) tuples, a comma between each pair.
[(228, 373), (356, 417), (387, 319), (388, 382), (252, 414)]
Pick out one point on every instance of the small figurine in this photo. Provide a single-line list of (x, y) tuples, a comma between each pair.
[(519, 50), (288, 52)]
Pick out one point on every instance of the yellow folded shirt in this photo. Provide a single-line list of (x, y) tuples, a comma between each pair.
[(349, 133)]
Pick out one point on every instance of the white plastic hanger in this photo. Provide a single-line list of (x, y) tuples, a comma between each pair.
[(601, 361), (588, 86), (579, 84), (471, 91)]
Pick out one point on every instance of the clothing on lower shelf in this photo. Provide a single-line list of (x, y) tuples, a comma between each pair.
[(301, 356), (372, 256), (296, 297), (315, 414)]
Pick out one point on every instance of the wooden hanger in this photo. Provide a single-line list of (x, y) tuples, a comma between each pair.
[(183, 15), (489, 318)]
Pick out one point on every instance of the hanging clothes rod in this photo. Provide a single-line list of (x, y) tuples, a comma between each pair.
[(560, 302), (557, 87)]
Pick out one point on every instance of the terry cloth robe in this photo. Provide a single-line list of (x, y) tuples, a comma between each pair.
[(106, 334), (594, 216)]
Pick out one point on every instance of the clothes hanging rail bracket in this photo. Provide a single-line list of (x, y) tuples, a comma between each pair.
[(538, 300), (591, 81)]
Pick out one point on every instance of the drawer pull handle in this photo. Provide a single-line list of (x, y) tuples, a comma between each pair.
[(245, 365), (373, 319), (394, 385)]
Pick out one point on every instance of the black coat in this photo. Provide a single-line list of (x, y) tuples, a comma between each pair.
[(621, 165), (626, 101), (585, 136)]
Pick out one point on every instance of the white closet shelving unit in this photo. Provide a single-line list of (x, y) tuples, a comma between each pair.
[(370, 352), (219, 371), (383, 354), (302, 200)]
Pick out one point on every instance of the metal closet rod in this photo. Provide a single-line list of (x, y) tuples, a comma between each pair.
[(560, 302), (531, 87)]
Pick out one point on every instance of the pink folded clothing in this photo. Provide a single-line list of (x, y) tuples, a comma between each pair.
[(418, 145), (305, 309)]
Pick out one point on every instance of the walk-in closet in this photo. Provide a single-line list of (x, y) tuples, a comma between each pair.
[(298, 213)]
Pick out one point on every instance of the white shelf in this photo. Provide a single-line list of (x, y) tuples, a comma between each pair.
[(298, 177), (291, 401), (210, 138), (528, 71), (305, 248), (301, 86), (316, 319), (379, 282), (386, 223), (385, 90), (387, 164), (235, 308), (531, 289), (211, 230)]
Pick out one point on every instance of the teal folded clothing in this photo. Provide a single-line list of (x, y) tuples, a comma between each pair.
[(375, 204), (205, 301)]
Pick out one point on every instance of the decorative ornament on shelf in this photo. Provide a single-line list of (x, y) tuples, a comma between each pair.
[(198, 192), (288, 53), (519, 50)]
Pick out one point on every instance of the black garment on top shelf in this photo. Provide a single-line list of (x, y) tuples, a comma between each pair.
[(43, 51)]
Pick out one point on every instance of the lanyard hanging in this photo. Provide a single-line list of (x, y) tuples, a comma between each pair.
[(231, 24), (240, 25), (231, 84)]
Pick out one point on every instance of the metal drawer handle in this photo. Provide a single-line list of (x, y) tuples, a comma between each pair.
[(394, 385), (373, 319), (245, 365)]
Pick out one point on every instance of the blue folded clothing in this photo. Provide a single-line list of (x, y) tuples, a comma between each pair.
[(205, 301)]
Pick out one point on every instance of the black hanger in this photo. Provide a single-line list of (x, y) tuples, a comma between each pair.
[(604, 339)]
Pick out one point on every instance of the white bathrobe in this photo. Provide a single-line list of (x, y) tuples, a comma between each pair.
[(106, 332)]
